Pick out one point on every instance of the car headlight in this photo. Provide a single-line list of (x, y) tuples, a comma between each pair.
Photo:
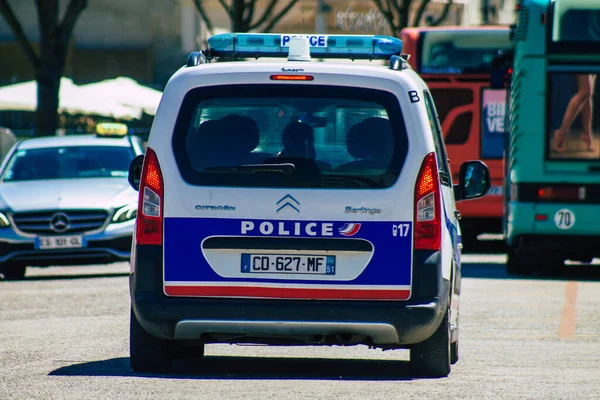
[(126, 213), (4, 222)]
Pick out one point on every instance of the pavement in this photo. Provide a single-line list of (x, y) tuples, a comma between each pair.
[(64, 335)]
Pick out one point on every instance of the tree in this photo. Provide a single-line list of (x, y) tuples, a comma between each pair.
[(397, 13), (49, 64), (241, 14)]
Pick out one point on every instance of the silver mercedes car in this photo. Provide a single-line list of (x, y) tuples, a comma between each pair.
[(66, 201)]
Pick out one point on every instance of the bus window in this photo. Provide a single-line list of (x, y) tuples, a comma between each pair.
[(458, 52), (577, 25), (573, 110)]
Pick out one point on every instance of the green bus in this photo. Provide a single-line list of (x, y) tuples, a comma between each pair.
[(552, 152)]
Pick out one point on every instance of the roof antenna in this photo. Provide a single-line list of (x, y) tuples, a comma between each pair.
[(302, 13)]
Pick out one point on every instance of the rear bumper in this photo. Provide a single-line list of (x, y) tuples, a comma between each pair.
[(272, 321)]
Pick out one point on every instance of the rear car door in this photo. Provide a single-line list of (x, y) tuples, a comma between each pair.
[(289, 191)]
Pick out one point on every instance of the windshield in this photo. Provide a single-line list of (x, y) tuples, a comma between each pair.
[(69, 162), (576, 25), (461, 51), (292, 136)]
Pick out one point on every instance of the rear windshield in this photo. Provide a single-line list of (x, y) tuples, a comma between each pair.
[(462, 51), (283, 135), (68, 162)]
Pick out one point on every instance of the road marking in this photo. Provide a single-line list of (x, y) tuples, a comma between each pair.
[(567, 319)]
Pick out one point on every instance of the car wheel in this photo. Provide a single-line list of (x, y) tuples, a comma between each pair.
[(14, 272), (454, 352), (147, 353), (431, 358)]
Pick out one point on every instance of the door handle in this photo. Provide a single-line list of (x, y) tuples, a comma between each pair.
[(457, 214)]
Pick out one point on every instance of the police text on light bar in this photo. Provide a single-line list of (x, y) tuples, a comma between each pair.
[(313, 40), (254, 45)]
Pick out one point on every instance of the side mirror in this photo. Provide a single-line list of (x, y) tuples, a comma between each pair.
[(135, 172), (473, 181)]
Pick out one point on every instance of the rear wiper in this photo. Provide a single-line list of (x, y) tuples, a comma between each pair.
[(285, 169)]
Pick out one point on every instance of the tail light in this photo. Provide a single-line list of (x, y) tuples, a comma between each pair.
[(428, 224), (149, 228), (292, 77), (562, 193)]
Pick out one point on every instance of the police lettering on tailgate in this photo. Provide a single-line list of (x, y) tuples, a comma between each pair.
[(287, 228)]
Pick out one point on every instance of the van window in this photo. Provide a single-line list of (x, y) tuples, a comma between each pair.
[(436, 128), (461, 51), (290, 136)]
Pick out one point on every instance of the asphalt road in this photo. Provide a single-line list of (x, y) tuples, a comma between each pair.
[(64, 335)]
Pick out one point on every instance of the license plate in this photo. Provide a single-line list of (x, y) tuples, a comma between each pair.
[(288, 264), (59, 242)]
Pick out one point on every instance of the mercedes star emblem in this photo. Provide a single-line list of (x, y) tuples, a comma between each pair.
[(59, 222)]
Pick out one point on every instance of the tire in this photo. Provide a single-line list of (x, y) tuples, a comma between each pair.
[(531, 261), (550, 265), (518, 262), (431, 358), (454, 352), (14, 272), (147, 353)]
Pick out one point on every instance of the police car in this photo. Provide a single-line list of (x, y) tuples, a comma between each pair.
[(284, 201), (66, 200)]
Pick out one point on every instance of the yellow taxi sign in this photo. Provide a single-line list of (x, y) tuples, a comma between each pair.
[(111, 129)]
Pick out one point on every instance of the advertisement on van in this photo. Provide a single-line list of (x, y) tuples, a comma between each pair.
[(493, 124)]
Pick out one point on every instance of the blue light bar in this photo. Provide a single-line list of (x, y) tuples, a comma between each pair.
[(255, 45)]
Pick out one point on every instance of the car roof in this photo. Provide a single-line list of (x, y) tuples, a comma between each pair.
[(458, 28), (233, 70), (73, 140)]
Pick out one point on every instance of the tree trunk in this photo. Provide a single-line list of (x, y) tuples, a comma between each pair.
[(46, 118), (238, 7)]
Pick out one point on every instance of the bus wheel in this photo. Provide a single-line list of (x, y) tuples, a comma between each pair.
[(518, 261), (550, 265)]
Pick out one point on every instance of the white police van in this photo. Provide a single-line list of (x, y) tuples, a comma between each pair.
[(290, 202)]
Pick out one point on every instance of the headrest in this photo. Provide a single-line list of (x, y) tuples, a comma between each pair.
[(206, 138), (380, 137), (356, 142), (372, 136), (298, 140), (241, 133)]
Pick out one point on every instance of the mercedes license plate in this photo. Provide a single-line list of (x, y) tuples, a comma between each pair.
[(59, 242)]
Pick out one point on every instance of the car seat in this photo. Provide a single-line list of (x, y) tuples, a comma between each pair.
[(242, 136), (371, 144), (206, 147), (299, 142)]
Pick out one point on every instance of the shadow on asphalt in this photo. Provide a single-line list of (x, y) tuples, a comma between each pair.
[(223, 367), (64, 277)]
